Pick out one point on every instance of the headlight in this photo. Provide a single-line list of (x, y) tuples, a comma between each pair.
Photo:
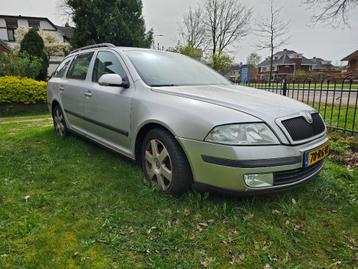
[(243, 134)]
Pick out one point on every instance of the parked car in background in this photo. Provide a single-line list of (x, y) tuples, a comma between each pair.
[(185, 123)]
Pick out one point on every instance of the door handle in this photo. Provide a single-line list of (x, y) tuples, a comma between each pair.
[(88, 94), (62, 89)]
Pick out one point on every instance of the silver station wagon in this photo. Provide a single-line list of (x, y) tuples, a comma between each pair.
[(184, 123)]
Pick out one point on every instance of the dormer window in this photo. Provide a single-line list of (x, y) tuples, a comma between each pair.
[(34, 24)]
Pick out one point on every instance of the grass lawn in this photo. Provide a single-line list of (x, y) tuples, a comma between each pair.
[(72, 204), (335, 117)]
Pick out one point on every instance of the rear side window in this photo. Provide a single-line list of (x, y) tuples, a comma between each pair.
[(61, 69), (79, 67), (107, 63)]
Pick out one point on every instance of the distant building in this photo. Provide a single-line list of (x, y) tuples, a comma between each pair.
[(287, 63), (241, 73), (66, 32), (352, 66), (321, 65), (9, 23), (233, 73)]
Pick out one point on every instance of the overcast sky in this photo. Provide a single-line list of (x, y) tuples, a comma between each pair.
[(165, 16)]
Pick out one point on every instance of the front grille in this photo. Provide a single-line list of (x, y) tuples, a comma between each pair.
[(299, 129), (291, 176)]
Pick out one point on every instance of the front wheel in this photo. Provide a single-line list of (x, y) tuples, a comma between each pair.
[(164, 163)]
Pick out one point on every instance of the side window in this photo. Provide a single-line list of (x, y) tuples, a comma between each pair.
[(107, 63), (79, 66), (61, 69)]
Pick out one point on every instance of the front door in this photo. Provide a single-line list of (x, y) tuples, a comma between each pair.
[(108, 107)]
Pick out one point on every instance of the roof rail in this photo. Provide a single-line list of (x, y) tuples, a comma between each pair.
[(108, 45)]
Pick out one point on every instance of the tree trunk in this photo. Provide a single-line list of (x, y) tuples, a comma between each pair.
[(271, 66)]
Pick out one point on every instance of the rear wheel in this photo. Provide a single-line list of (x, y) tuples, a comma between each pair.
[(59, 122), (164, 163)]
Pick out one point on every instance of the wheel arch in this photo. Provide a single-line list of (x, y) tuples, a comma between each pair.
[(54, 103), (143, 130)]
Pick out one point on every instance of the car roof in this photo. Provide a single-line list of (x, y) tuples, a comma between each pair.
[(117, 48)]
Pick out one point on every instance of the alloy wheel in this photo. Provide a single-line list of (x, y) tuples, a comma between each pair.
[(59, 122), (158, 164)]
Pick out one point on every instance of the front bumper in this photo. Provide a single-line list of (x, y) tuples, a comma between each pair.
[(224, 167)]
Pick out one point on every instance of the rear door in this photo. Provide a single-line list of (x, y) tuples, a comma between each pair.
[(108, 107), (74, 89), (55, 84)]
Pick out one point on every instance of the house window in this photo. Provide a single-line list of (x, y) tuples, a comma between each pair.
[(11, 25), (11, 35), (35, 24)]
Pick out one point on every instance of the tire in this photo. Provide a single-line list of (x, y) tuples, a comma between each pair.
[(59, 122), (164, 163)]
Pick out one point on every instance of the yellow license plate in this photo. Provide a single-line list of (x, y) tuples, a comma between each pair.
[(316, 155)]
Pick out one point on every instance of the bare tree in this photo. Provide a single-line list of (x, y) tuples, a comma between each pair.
[(226, 22), (193, 32), (65, 11), (273, 32), (253, 59), (332, 11)]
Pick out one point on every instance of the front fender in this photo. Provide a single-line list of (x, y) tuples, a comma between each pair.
[(183, 117)]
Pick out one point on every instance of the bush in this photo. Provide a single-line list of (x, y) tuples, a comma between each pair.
[(33, 45), (221, 62), (18, 90), (54, 46), (194, 53), (20, 65)]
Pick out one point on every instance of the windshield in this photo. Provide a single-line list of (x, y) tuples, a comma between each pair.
[(171, 69)]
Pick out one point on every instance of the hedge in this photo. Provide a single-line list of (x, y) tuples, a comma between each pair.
[(17, 90)]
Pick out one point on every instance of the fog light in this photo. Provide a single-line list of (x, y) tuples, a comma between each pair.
[(259, 180)]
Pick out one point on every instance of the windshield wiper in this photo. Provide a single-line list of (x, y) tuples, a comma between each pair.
[(163, 85)]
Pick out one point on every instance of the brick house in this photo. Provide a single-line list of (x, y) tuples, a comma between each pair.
[(286, 63), (352, 66), (321, 65)]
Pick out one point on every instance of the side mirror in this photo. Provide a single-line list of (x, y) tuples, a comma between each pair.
[(113, 80)]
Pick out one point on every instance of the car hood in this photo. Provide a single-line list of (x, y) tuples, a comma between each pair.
[(259, 103)]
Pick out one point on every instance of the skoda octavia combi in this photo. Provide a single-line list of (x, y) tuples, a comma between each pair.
[(184, 123)]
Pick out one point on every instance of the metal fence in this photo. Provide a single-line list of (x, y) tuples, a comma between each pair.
[(336, 100)]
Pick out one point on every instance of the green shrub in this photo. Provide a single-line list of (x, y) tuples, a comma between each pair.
[(221, 62), (12, 64), (19, 90), (194, 53), (33, 45)]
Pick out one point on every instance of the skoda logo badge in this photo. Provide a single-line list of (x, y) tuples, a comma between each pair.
[(307, 116)]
